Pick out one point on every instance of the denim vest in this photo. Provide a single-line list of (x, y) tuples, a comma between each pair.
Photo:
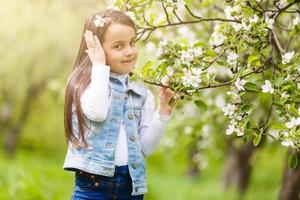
[(101, 137)]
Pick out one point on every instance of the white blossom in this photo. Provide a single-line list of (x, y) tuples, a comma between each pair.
[(161, 48), (285, 95), (237, 117), (267, 87), (254, 19), (191, 77), (287, 143), (285, 134), (180, 5), (245, 26), (269, 22), (186, 57), (196, 71), (296, 20), (217, 38), (281, 3), (188, 130), (239, 84), (165, 80), (170, 71), (239, 132), (197, 51), (232, 58), (236, 26), (229, 109), (287, 57), (99, 21), (231, 12), (293, 123), (235, 97), (230, 130)]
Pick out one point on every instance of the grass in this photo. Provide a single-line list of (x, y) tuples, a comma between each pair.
[(34, 175)]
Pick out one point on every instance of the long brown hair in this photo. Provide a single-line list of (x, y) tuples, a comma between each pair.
[(80, 76)]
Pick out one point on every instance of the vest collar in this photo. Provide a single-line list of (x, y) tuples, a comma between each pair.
[(131, 85)]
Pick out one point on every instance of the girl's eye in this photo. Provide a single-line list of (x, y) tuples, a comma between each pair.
[(132, 43), (119, 46)]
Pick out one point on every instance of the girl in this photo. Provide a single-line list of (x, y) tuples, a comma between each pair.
[(110, 122)]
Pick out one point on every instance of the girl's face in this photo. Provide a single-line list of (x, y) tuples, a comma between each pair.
[(119, 47)]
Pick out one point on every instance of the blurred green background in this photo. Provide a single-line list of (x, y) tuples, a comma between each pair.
[(39, 42)]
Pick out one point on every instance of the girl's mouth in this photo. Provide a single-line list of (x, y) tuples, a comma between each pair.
[(128, 61)]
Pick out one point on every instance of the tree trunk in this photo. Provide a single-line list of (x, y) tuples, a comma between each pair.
[(12, 128), (238, 168), (290, 189)]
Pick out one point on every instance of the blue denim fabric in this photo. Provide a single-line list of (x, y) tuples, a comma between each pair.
[(96, 187), (102, 137)]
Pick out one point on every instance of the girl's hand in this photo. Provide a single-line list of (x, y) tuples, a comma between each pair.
[(165, 95), (95, 50)]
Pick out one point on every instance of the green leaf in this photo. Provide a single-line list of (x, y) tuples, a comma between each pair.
[(249, 86), (246, 107), (277, 104), (288, 86), (146, 67), (254, 60), (257, 139), (279, 126), (221, 62), (253, 123), (152, 17), (172, 101), (211, 53), (201, 105), (278, 81), (294, 111), (293, 161)]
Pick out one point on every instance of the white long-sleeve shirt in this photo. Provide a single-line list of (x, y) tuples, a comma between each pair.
[(95, 103)]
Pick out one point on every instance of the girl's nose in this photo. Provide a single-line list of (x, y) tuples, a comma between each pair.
[(129, 51)]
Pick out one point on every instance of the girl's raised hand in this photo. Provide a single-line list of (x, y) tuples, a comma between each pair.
[(95, 50), (165, 96)]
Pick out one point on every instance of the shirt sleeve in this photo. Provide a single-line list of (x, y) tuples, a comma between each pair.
[(95, 99), (152, 125)]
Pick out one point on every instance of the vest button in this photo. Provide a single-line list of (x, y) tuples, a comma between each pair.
[(135, 165), (96, 184), (132, 138), (130, 116)]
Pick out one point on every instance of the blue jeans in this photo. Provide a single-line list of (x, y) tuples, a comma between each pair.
[(96, 187)]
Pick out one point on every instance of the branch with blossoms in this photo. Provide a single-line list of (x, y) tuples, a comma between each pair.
[(247, 44)]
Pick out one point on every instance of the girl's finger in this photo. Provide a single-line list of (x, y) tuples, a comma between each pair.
[(90, 39), (86, 40), (92, 43), (98, 45)]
